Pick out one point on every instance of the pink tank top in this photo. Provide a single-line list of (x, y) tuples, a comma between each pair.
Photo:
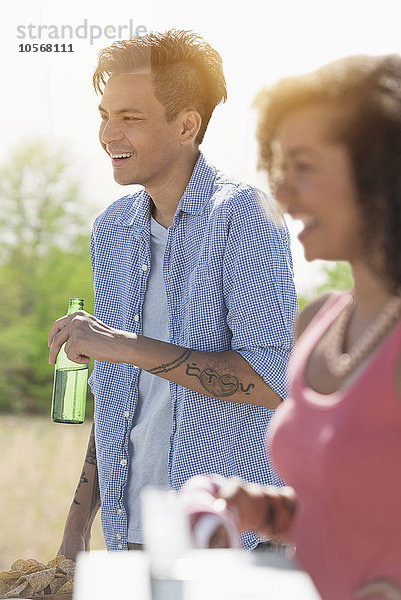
[(341, 453)]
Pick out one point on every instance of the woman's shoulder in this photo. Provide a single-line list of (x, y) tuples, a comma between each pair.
[(310, 311)]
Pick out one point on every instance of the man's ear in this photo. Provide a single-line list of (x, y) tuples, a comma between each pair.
[(191, 122)]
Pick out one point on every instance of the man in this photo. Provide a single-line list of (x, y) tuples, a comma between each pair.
[(194, 297)]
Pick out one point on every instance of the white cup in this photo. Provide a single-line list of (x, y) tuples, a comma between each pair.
[(166, 531)]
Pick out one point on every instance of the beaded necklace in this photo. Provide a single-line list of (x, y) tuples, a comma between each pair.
[(341, 363)]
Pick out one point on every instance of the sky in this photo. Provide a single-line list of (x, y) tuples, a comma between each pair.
[(49, 95)]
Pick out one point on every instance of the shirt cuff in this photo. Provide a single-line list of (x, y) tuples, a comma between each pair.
[(271, 364)]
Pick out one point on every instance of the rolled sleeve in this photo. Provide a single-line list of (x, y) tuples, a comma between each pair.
[(260, 291), (271, 364)]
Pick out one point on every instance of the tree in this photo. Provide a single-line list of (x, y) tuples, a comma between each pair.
[(44, 260)]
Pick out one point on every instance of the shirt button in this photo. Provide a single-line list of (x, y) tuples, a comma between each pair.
[(126, 414), (119, 512), (123, 462), (136, 317), (118, 536), (144, 267), (120, 546)]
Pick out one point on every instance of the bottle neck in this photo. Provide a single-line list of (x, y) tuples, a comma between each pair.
[(75, 304)]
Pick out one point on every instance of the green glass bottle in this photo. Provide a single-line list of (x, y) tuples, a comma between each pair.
[(70, 383)]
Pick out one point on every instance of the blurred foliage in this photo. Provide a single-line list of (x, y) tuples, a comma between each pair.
[(44, 260), (336, 277)]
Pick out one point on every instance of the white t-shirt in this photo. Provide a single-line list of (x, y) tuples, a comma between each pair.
[(151, 429)]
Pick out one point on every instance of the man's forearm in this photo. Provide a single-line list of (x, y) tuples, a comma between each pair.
[(224, 375), (86, 501)]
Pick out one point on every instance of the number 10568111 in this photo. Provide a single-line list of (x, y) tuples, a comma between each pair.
[(45, 48)]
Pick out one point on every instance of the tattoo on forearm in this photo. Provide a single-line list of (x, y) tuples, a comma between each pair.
[(91, 452), (90, 458), (246, 390), (216, 384), (171, 365), (82, 480)]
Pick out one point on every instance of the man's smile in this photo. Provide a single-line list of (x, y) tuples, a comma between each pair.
[(126, 155), (119, 159)]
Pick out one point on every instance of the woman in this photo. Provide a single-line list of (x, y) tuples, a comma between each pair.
[(331, 144)]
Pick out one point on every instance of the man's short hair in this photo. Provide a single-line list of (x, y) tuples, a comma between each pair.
[(187, 71)]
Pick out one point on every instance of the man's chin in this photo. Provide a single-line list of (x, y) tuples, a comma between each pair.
[(118, 178)]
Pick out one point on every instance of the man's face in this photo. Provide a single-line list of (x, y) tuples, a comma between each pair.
[(134, 131)]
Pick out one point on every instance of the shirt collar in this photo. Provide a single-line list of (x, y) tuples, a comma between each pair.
[(198, 189), (137, 214)]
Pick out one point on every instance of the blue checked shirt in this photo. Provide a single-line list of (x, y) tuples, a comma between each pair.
[(229, 282)]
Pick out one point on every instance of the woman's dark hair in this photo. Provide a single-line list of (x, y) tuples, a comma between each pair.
[(187, 71), (368, 88)]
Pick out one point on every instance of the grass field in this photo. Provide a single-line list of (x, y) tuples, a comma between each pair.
[(40, 466)]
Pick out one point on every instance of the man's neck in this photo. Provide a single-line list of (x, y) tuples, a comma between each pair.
[(166, 196)]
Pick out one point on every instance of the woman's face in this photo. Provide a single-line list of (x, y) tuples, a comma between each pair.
[(317, 185)]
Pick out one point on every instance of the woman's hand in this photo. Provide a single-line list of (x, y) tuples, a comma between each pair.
[(268, 510), (219, 509), (380, 587)]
